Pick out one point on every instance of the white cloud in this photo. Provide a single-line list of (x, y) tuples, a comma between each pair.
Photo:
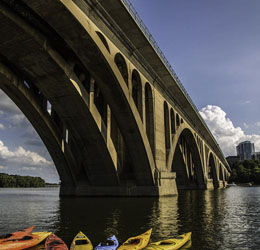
[(18, 120), (30, 169), (3, 168), (257, 124), (7, 105), (22, 157), (2, 127), (11, 113), (227, 135)]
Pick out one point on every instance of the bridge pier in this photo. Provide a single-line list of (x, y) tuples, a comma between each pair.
[(210, 184), (165, 186)]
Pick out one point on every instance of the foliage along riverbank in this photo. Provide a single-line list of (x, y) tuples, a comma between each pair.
[(20, 181), (245, 171)]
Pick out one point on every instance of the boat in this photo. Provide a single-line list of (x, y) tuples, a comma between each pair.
[(81, 242), (26, 241), (187, 245), (110, 243), (16, 235), (137, 242), (53, 242), (170, 244), (231, 184), (249, 184)]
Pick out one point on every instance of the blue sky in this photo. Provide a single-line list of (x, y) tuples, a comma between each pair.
[(213, 46)]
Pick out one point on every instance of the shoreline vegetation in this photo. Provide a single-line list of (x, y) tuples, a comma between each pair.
[(18, 181), (243, 172)]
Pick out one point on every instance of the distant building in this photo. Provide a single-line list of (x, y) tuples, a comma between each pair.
[(245, 150), (232, 159)]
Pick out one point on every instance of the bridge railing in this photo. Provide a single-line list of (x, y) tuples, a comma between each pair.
[(150, 38)]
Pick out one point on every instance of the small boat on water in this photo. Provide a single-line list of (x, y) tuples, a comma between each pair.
[(110, 243), (231, 184), (53, 242), (137, 242), (24, 242), (16, 235), (81, 242), (170, 244)]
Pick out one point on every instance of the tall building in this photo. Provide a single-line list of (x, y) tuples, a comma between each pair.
[(245, 150)]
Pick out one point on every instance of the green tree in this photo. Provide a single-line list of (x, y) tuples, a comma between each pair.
[(20, 181)]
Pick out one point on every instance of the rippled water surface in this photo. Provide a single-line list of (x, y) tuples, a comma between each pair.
[(220, 219)]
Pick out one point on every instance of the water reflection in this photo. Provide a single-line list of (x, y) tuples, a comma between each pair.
[(164, 218), (203, 213), (100, 218), (220, 219)]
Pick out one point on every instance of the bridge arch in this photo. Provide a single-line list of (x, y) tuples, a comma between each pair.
[(50, 132), (121, 64), (177, 121), (185, 160), (35, 104), (173, 126), (137, 93), (221, 175), (166, 130), (149, 116), (212, 170), (103, 39), (111, 73)]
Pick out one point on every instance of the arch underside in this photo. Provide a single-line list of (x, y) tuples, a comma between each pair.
[(212, 171), (187, 162), (48, 58)]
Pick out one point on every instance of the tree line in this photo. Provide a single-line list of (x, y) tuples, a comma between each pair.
[(245, 171), (20, 181)]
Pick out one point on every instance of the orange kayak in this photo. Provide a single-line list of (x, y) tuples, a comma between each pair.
[(53, 242), (26, 241), (16, 235)]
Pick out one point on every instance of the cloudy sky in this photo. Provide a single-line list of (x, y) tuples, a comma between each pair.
[(213, 46)]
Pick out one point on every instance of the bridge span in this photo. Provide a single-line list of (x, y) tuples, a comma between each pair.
[(112, 113)]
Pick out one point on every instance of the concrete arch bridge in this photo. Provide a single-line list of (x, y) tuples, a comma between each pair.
[(110, 110)]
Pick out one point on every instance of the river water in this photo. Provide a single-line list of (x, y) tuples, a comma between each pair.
[(219, 219)]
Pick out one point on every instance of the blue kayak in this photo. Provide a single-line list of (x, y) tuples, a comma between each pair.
[(110, 243)]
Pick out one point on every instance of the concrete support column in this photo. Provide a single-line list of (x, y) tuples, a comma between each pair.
[(63, 140), (204, 161), (143, 107), (108, 122)]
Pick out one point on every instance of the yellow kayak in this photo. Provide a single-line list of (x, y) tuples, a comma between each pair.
[(170, 244), (138, 242), (81, 242)]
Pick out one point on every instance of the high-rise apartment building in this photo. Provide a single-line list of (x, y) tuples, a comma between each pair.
[(245, 150)]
